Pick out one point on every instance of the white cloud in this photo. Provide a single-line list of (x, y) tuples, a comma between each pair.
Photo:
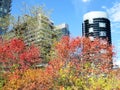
[(104, 7), (85, 1), (114, 15), (114, 12)]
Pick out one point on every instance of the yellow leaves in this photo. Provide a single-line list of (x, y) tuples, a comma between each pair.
[(62, 88), (69, 70), (29, 80), (100, 82), (33, 79)]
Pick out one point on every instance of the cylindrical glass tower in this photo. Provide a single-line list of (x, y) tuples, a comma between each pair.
[(96, 25)]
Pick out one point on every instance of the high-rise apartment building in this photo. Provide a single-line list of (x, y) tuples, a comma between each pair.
[(5, 6), (62, 29), (43, 30), (40, 31), (96, 25), (34, 29)]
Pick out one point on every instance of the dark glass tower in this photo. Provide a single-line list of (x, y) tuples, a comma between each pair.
[(96, 25), (5, 6)]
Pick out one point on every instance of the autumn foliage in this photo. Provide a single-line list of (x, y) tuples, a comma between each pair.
[(77, 64), (15, 54), (31, 79), (82, 53)]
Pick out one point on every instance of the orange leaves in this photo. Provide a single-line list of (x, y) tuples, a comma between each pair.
[(62, 88), (82, 50), (54, 66), (76, 61), (30, 79), (14, 52)]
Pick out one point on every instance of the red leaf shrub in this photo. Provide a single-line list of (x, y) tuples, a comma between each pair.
[(83, 54), (15, 54)]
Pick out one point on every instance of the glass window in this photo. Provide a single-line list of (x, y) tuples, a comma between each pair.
[(0, 4), (1, 9), (101, 24), (5, 10), (90, 21), (102, 33), (90, 29)]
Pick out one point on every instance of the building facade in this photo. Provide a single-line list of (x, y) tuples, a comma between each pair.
[(43, 30), (96, 25), (62, 29), (40, 31), (5, 6)]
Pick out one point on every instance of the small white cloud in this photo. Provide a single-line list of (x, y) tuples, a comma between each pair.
[(114, 12), (85, 1), (114, 15), (104, 7)]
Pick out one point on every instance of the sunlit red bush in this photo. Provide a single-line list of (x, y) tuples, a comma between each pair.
[(78, 64), (15, 54)]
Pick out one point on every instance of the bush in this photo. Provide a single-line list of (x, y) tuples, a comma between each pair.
[(78, 64)]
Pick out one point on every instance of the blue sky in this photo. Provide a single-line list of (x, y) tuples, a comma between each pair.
[(72, 11)]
